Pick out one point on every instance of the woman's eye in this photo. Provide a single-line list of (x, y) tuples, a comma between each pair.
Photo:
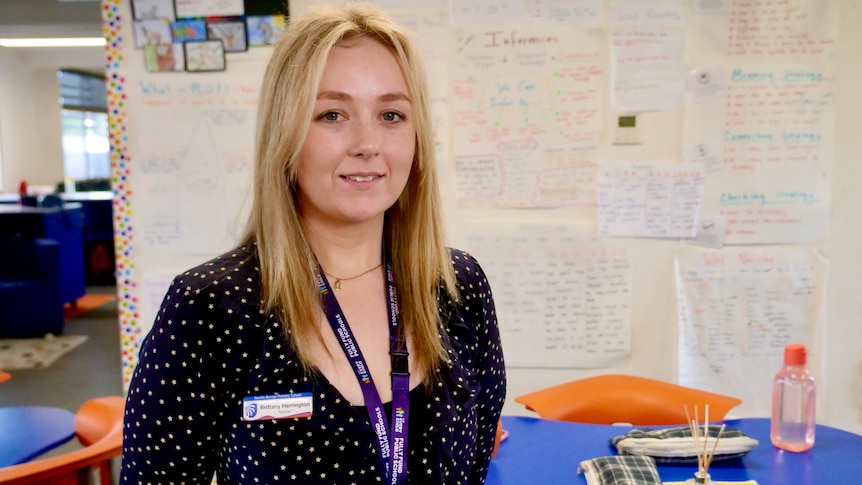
[(392, 116), (329, 116)]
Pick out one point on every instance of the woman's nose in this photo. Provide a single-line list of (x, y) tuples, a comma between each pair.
[(366, 141)]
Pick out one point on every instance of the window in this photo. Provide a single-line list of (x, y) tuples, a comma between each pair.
[(86, 150)]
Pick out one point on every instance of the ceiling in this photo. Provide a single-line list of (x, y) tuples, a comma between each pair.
[(53, 18), (50, 18)]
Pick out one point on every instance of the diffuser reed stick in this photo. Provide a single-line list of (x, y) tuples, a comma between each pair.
[(702, 451)]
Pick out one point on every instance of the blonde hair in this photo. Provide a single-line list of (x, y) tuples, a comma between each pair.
[(413, 232)]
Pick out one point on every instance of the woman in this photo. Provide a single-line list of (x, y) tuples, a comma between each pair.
[(341, 342)]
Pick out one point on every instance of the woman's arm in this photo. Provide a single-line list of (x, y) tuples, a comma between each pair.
[(490, 367), (177, 395)]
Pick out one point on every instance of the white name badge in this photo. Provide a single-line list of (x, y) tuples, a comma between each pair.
[(277, 406)]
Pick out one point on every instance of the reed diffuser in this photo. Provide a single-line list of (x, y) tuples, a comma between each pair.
[(702, 450)]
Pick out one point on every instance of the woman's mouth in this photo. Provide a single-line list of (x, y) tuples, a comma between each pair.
[(360, 178)]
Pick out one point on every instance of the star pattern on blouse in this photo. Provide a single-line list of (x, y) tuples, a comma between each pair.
[(211, 347)]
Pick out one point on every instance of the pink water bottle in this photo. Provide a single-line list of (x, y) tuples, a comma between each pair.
[(793, 396)]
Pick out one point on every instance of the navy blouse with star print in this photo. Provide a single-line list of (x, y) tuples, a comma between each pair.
[(211, 346)]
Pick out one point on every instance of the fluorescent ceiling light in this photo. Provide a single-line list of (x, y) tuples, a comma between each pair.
[(54, 42)]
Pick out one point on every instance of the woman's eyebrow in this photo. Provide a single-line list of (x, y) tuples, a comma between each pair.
[(396, 97), (336, 95), (340, 96)]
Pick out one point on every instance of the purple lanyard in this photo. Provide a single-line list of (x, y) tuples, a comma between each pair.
[(393, 454)]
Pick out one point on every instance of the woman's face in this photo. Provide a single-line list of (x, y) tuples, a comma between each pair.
[(357, 156)]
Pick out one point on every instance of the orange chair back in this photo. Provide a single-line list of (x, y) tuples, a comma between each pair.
[(617, 398), (99, 428), (4, 376)]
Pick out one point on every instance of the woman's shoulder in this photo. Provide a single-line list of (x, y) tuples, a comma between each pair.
[(217, 294), (229, 283), (236, 268), (466, 266), (469, 276)]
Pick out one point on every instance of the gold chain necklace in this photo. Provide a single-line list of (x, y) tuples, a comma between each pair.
[(337, 283)]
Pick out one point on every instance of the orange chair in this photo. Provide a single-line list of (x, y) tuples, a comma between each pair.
[(4, 376), (498, 437), (99, 428), (616, 398)]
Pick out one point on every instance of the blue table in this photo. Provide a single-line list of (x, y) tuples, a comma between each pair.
[(97, 231), (28, 431), (548, 452)]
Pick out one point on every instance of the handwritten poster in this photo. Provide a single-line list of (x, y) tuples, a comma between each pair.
[(195, 173), (428, 26), (526, 104), (778, 114), (710, 6), (467, 13), (649, 200), (209, 8), (738, 308), (791, 27), (561, 300), (789, 202), (648, 55), (785, 29), (775, 139)]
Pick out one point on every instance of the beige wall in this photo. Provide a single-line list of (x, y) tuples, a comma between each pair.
[(843, 339), (30, 132)]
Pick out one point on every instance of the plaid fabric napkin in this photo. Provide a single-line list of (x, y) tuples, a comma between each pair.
[(676, 445), (620, 470)]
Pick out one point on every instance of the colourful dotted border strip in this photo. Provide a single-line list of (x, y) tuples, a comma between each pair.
[(130, 331)]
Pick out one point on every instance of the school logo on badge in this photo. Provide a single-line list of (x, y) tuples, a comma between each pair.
[(249, 410)]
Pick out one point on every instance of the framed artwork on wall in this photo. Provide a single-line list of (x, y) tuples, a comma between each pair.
[(231, 32), (164, 57), (152, 32), (203, 56), (153, 9), (184, 30), (264, 29)]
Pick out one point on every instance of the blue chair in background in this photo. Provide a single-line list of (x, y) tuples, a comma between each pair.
[(31, 299), (63, 224)]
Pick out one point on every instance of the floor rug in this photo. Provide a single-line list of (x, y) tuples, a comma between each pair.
[(33, 353), (87, 303)]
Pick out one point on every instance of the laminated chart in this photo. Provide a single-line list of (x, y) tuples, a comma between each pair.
[(738, 308), (641, 200), (561, 301), (526, 116)]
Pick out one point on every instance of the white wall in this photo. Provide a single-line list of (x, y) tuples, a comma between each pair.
[(30, 129), (843, 339)]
